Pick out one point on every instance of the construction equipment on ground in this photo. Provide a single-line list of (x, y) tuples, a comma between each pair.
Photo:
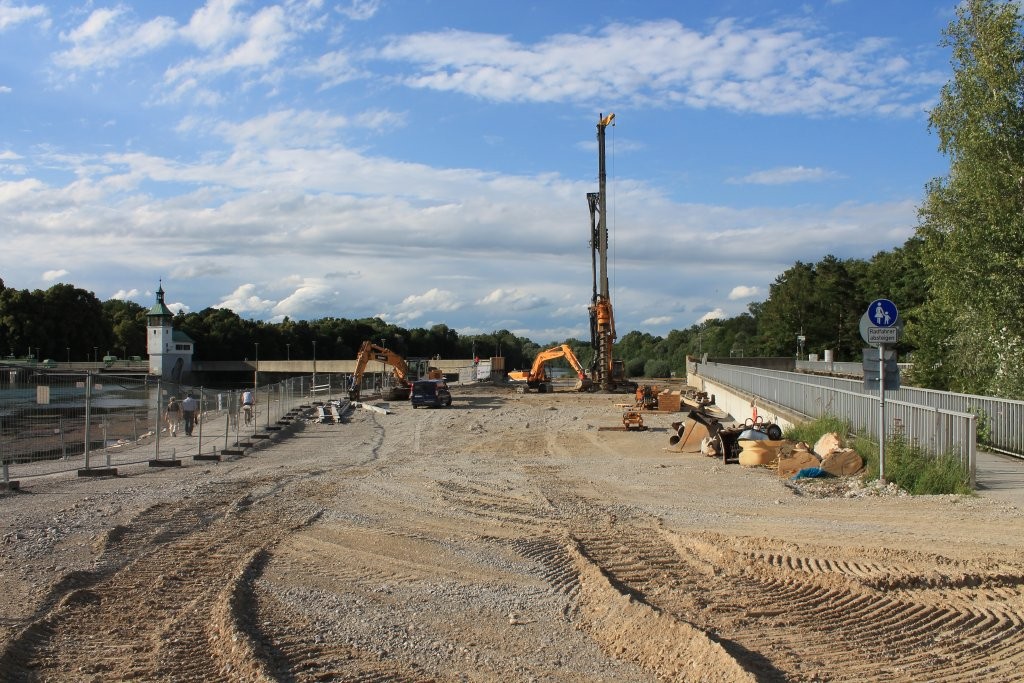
[(632, 419), (403, 372), (537, 377), (606, 373)]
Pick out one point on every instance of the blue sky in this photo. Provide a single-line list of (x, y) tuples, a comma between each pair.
[(428, 161)]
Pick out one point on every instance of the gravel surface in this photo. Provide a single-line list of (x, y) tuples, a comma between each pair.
[(512, 537)]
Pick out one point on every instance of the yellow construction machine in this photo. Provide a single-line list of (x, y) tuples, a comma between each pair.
[(537, 377), (403, 372)]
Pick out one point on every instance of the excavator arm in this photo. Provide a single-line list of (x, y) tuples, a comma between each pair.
[(537, 377), (370, 351)]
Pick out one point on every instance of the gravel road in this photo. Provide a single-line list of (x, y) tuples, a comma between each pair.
[(507, 538)]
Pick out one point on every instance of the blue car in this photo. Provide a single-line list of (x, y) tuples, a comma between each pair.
[(430, 392)]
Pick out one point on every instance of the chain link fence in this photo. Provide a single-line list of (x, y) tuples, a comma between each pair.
[(52, 421)]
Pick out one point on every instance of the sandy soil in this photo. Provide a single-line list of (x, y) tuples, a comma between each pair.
[(507, 538)]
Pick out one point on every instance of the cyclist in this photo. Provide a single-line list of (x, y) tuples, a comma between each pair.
[(247, 402)]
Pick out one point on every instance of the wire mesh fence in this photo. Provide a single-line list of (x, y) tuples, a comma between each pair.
[(54, 421)]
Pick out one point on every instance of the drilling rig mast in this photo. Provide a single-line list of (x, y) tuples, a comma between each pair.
[(606, 373)]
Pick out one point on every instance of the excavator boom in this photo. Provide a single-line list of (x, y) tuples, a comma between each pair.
[(537, 377)]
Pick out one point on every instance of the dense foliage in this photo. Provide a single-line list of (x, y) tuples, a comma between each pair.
[(970, 334)]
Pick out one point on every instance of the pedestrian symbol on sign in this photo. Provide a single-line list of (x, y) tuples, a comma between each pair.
[(881, 316), (882, 313)]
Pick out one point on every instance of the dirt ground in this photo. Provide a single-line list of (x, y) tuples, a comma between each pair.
[(506, 538)]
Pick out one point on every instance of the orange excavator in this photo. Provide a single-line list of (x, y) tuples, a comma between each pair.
[(403, 372), (537, 377)]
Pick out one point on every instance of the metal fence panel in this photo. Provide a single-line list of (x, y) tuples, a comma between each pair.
[(65, 421)]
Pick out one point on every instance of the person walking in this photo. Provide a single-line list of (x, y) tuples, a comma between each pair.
[(173, 416), (188, 409)]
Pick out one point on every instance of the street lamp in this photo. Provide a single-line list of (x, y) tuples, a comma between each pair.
[(94, 356), (68, 349), (256, 372), (314, 365), (288, 351)]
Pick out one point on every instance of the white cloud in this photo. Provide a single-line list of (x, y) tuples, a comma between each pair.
[(12, 15), (734, 67), (416, 306), (360, 10), (716, 314), (657, 321), (125, 295), (109, 36), (51, 275), (787, 174), (513, 300), (743, 292), (178, 307), (245, 300)]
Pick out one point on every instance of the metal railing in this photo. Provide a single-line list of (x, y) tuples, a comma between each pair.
[(937, 430), (1000, 420), (53, 421)]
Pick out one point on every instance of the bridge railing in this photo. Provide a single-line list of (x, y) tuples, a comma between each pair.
[(938, 430), (1000, 420)]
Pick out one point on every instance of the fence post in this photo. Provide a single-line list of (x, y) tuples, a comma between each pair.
[(156, 430), (88, 415)]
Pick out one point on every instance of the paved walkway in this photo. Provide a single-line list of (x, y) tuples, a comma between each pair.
[(1001, 477)]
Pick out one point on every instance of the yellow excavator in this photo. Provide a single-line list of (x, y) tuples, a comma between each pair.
[(537, 377), (404, 372)]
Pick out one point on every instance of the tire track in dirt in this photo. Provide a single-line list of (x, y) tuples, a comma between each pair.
[(154, 607), (783, 622)]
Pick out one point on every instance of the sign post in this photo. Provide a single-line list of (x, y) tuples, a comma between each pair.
[(878, 326)]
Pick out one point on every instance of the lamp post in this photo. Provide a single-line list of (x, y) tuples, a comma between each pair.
[(314, 365), (288, 351), (94, 356), (256, 372), (68, 349), (800, 339)]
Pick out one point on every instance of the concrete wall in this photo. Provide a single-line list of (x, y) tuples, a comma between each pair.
[(737, 403)]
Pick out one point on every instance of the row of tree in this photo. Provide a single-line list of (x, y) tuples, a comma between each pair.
[(959, 280)]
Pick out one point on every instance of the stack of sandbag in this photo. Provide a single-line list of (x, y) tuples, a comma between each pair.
[(827, 454), (835, 459)]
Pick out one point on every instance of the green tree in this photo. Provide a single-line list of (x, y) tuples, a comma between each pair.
[(972, 221)]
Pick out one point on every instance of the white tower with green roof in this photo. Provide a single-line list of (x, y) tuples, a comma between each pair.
[(170, 351)]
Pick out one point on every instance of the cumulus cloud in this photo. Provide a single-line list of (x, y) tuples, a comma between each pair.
[(416, 306), (245, 300), (51, 275), (125, 295), (742, 292), (513, 300), (716, 314)]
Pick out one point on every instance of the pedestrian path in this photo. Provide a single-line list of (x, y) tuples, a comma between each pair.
[(1000, 477)]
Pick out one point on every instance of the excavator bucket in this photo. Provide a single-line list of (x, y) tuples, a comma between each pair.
[(691, 432)]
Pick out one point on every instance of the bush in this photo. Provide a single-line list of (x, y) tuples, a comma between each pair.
[(914, 470)]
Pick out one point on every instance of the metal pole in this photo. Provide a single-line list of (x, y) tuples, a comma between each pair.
[(159, 419), (196, 419), (88, 416), (881, 413)]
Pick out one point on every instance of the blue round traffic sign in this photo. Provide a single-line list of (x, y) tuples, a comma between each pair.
[(882, 313)]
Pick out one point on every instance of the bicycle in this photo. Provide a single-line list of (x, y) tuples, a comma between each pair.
[(247, 413)]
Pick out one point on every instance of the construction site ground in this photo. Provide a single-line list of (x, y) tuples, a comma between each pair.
[(507, 538)]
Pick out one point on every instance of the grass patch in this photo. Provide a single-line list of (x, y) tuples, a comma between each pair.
[(908, 466)]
